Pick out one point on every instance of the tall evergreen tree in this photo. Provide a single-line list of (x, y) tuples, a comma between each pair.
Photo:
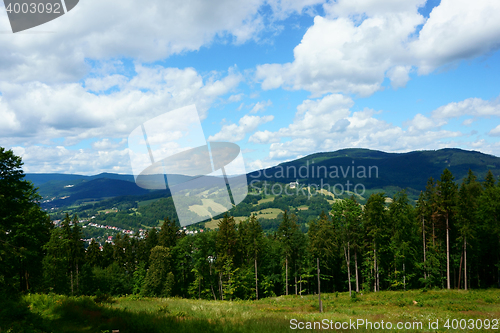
[(346, 216), (447, 195)]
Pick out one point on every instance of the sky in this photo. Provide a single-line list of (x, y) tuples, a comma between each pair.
[(281, 78)]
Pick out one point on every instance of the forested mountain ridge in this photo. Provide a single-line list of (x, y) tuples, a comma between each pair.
[(403, 170), (388, 170)]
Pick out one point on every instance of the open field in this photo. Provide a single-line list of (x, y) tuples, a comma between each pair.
[(53, 313), (214, 224), (268, 213)]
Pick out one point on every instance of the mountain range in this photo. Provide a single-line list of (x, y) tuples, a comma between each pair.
[(375, 170)]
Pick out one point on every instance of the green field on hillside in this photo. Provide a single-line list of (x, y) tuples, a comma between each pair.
[(54, 313)]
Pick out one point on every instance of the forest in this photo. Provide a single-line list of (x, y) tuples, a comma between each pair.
[(448, 239)]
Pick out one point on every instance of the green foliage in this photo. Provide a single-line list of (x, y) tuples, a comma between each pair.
[(159, 278)]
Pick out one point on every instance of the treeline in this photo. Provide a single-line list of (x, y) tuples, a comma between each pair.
[(449, 239)]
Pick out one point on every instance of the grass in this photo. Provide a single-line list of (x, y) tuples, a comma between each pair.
[(214, 224), (54, 313), (268, 213), (268, 199), (146, 202)]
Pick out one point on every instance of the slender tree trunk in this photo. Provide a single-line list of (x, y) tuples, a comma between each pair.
[(404, 276), (213, 292), (460, 270), (347, 255), (220, 286), (374, 269), (423, 232), (71, 282), (256, 284), (295, 276), (447, 253), (77, 280), (433, 235), (465, 263), (319, 288), (286, 275), (356, 268)]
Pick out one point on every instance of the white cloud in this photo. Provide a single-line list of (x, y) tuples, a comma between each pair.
[(42, 159), (495, 131), (261, 106), (125, 28), (456, 30), (235, 98), (329, 124), (337, 55), (38, 112), (236, 133), (359, 43), (470, 107)]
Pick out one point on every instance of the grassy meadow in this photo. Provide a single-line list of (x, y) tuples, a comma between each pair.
[(54, 313)]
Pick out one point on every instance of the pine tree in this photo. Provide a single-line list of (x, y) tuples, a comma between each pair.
[(346, 216), (287, 234), (375, 222), (447, 193), (169, 232)]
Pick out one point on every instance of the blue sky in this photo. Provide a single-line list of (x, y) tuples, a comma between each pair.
[(281, 78)]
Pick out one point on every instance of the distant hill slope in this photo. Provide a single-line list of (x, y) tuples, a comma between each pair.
[(41, 178), (93, 190), (403, 170), (382, 171)]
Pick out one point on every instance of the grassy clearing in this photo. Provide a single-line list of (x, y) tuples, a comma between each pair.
[(268, 199), (53, 313), (268, 213), (214, 224), (146, 202)]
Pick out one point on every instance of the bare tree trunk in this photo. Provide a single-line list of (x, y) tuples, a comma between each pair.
[(423, 232), (433, 235), (465, 263), (213, 292), (295, 276), (447, 253), (460, 270), (77, 280), (286, 275), (404, 276), (256, 284), (356, 267), (347, 255), (71, 282), (319, 288), (374, 269)]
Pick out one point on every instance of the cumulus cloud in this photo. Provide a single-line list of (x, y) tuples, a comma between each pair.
[(471, 107), (44, 159), (359, 43), (456, 30), (329, 124), (124, 28), (495, 131), (37, 112), (238, 132)]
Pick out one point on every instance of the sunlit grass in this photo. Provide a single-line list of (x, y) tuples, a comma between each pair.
[(137, 314)]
